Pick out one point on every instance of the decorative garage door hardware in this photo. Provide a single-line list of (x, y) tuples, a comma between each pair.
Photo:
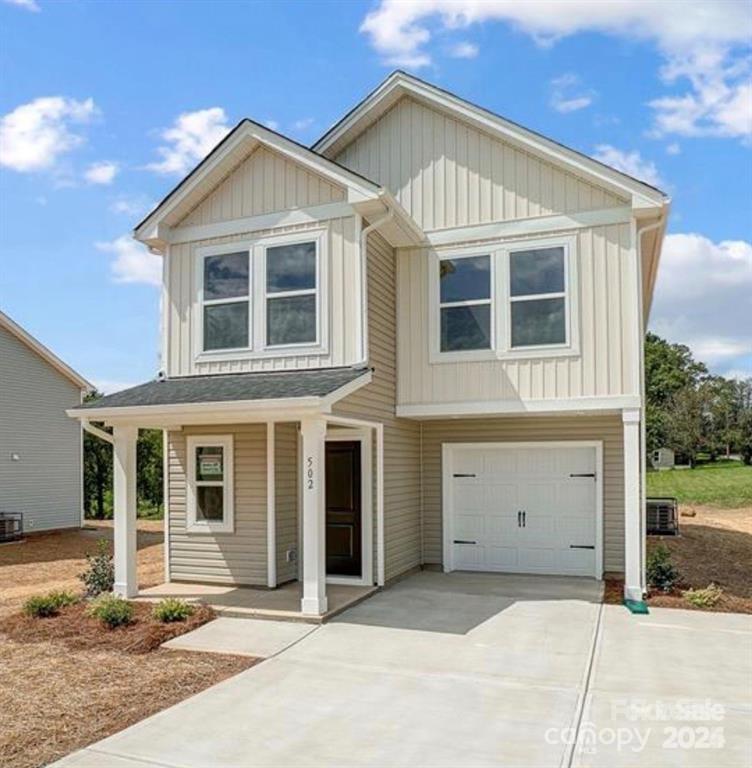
[(581, 546), (461, 474), (522, 519), (462, 541), (583, 474)]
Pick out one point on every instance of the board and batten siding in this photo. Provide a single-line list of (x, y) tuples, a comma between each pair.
[(264, 182), (606, 428), (223, 558), (447, 173), (343, 249), (45, 483), (608, 359), (376, 402)]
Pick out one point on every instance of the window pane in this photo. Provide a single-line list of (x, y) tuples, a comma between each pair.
[(226, 276), (465, 279), (210, 502), (226, 326), (209, 463), (537, 271), (291, 320), (540, 321), (291, 267), (466, 328)]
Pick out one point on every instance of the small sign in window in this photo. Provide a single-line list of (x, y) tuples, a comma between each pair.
[(210, 465)]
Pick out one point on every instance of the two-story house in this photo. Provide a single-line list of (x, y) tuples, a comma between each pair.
[(417, 343)]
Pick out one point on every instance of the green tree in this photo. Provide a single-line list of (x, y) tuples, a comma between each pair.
[(149, 487), (97, 470)]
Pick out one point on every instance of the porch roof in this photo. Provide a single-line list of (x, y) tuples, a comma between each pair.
[(309, 388)]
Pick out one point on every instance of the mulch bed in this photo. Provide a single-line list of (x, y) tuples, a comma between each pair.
[(77, 631), (728, 603)]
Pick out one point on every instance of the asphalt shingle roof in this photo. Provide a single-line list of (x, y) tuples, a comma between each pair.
[(232, 387)]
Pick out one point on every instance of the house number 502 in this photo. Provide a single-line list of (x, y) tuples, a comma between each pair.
[(309, 472)]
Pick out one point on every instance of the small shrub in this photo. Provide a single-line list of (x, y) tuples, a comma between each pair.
[(703, 598), (111, 610), (661, 573), (171, 609), (99, 576), (43, 606)]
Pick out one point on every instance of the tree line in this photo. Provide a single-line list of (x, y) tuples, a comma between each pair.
[(692, 411)]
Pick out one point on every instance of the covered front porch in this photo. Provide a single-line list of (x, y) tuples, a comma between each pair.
[(250, 527)]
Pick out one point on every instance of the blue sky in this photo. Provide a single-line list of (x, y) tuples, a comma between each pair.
[(103, 106)]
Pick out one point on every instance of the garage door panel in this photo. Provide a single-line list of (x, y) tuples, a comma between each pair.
[(558, 527)]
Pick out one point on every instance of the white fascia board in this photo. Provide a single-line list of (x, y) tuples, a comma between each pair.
[(399, 84), (537, 225), (47, 355), (517, 407), (358, 188)]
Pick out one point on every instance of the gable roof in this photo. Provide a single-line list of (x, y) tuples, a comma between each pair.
[(225, 158), (49, 357), (400, 84)]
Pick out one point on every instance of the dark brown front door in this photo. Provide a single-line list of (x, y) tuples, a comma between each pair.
[(343, 513)]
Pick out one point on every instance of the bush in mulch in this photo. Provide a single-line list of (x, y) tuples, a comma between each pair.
[(77, 630), (45, 606)]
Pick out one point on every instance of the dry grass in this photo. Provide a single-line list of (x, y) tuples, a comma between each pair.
[(715, 547), (66, 682)]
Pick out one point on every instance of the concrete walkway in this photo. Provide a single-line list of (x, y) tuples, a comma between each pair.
[(464, 670)]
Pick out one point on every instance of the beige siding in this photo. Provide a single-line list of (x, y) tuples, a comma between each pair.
[(608, 358), (265, 182), (286, 498), (228, 558), (343, 250), (376, 402), (531, 429), (449, 174)]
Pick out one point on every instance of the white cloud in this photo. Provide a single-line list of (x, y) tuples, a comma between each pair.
[(133, 262), (303, 124), (702, 299), (272, 125), (101, 173), (28, 5), (631, 163), (190, 138), (34, 135), (108, 386), (673, 149), (699, 40), (568, 95), (132, 205), (463, 50)]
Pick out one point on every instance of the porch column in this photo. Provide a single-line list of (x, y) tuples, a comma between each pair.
[(313, 432), (632, 512), (124, 512)]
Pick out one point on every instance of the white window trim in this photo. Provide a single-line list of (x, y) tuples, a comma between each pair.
[(227, 525), (501, 304), (257, 347)]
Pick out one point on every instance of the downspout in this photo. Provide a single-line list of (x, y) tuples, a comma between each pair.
[(643, 434), (388, 216)]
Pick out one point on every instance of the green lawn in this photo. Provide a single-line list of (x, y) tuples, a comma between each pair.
[(720, 484)]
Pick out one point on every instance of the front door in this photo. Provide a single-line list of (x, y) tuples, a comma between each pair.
[(343, 508)]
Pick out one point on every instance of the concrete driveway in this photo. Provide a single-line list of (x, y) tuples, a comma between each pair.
[(471, 670)]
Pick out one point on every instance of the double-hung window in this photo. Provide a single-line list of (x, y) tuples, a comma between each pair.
[(226, 301), (291, 294), (210, 483), (537, 297), (465, 290)]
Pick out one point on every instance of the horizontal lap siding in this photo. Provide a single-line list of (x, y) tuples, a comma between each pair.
[(238, 557), (447, 173), (529, 429), (376, 402), (286, 497)]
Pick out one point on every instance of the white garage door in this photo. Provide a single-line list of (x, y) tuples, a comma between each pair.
[(526, 509)]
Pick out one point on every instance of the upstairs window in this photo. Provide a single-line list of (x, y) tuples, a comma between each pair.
[(465, 303), (537, 295), (226, 301), (291, 294)]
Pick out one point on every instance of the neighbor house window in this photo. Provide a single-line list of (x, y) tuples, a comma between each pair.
[(291, 294), (226, 301), (465, 303), (210, 490), (537, 295)]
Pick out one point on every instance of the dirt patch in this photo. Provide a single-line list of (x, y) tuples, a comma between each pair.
[(77, 631), (55, 700)]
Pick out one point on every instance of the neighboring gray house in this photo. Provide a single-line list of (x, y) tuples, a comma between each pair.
[(663, 458), (40, 447)]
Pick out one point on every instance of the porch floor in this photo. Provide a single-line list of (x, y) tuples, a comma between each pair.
[(248, 602)]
